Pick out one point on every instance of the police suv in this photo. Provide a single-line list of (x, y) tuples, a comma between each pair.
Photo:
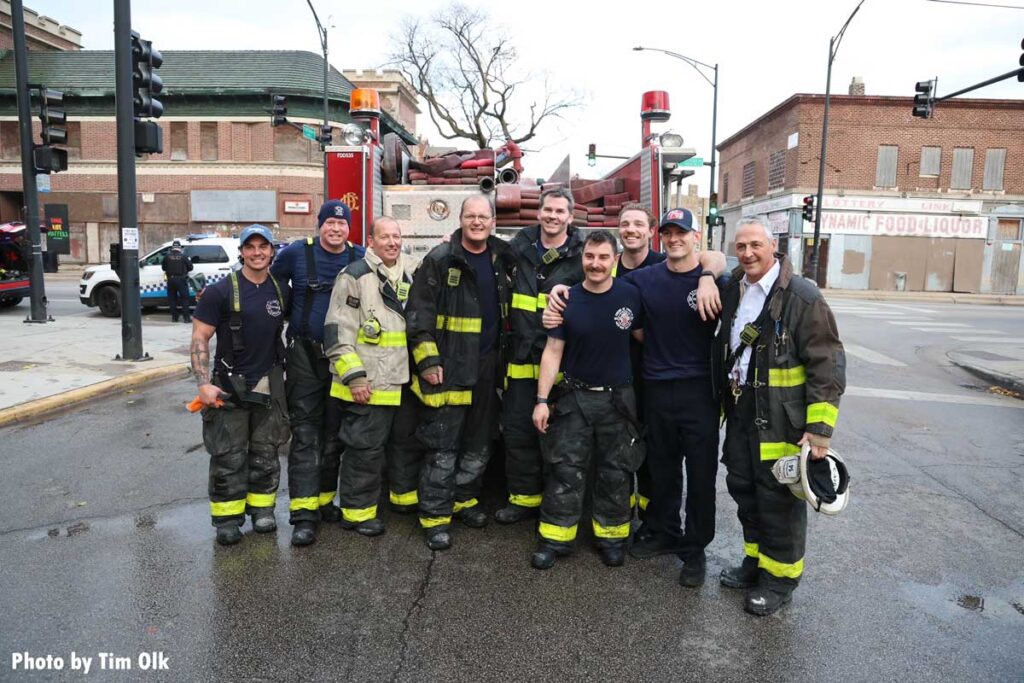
[(212, 259)]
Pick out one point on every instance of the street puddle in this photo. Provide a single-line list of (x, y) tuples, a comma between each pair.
[(971, 602)]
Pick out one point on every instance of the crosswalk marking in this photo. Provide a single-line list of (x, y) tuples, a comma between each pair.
[(989, 340), (870, 356), (900, 395), (926, 324)]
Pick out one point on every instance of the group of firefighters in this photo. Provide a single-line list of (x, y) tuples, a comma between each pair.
[(591, 365)]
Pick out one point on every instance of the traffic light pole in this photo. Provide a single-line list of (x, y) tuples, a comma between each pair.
[(37, 291), (714, 124), (323, 45), (127, 210)]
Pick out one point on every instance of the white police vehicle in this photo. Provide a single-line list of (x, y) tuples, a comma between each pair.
[(212, 259)]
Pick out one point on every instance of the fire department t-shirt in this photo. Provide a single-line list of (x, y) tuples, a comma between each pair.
[(262, 315), (596, 329), (651, 259)]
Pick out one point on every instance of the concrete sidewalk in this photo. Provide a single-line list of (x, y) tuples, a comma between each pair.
[(926, 297), (1002, 365)]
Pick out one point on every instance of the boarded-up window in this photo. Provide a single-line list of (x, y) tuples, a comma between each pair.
[(748, 180), (208, 140), (963, 167), (931, 159), (777, 169), (179, 141), (289, 145), (995, 160), (74, 144), (10, 140), (1008, 229), (885, 170), (725, 188)]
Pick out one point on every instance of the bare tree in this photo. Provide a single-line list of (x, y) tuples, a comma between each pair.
[(465, 71)]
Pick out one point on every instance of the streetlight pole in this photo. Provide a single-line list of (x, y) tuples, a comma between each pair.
[(833, 48), (713, 82), (323, 46)]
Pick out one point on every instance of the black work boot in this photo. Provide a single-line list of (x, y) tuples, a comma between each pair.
[(613, 554), (651, 545), (403, 509), (512, 513), (742, 576), (693, 571), (304, 533), (762, 601), (330, 513), (546, 553), (369, 527), (229, 533), (263, 522), (438, 538), (473, 517)]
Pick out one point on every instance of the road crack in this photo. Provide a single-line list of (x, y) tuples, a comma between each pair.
[(414, 608)]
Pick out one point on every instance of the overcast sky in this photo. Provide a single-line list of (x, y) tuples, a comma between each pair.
[(766, 52)]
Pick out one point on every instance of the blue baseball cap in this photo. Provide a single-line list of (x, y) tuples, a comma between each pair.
[(256, 229), (680, 218)]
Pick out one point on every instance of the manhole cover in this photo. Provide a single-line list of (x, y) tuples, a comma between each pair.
[(18, 365)]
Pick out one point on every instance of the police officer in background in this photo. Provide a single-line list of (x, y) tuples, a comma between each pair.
[(311, 266), (176, 267), (244, 412), (594, 416)]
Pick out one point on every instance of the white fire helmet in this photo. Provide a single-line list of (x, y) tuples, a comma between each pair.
[(824, 484)]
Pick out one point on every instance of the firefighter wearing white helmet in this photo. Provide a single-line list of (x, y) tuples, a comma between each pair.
[(780, 369)]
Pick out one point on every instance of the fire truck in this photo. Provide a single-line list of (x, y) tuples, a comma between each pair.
[(376, 177)]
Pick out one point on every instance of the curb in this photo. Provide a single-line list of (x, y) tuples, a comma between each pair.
[(59, 402), (926, 297), (1008, 382)]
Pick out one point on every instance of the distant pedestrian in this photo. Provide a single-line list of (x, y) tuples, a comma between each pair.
[(176, 267)]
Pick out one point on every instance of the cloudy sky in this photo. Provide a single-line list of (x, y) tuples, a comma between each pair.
[(766, 51)]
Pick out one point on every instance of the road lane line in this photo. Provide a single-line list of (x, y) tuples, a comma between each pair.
[(925, 324), (900, 395), (870, 356), (990, 340)]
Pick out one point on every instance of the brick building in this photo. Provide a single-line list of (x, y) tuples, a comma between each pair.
[(41, 33), (925, 205)]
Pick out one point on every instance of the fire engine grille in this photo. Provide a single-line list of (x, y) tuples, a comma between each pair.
[(646, 163), (378, 195)]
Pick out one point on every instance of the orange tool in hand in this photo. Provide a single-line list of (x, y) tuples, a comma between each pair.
[(197, 404)]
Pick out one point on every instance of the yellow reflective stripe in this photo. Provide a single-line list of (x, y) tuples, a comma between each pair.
[(311, 503), (822, 412), (378, 397), (431, 522), (441, 398), (644, 502), (407, 498), (783, 570), (389, 339), (326, 498), (561, 534), (773, 450), (601, 531), (750, 549), (787, 377), (542, 302), (229, 508), (459, 324), (632, 500), (359, 514), (261, 500), (347, 363), (525, 501), (523, 371), (465, 504), (524, 302), (424, 350)]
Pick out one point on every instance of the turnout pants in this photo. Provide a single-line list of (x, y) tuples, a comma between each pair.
[(590, 426), (315, 419), (458, 446), (774, 520), (523, 462), (177, 297), (682, 431), (375, 437)]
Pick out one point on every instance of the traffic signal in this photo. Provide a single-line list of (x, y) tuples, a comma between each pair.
[(923, 99), (713, 204), (54, 120), (591, 154), (146, 59), (325, 135), (809, 208), (279, 110)]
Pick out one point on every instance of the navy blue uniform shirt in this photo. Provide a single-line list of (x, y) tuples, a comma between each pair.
[(487, 286)]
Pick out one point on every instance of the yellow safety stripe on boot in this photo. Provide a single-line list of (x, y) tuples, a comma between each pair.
[(347, 363), (326, 498), (230, 508), (773, 450), (787, 377), (783, 570), (407, 498), (822, 412), (261, 500), (311, 503), (431, 522), (601, 531), (644, 502), (359, 514), (441, 398), (388, 339), (465, 504), (459, 324), (424, 350), (378, 397), (525, 501), (561, 534), (750, 549)]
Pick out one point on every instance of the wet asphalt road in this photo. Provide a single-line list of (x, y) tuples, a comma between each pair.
[(106, 547)]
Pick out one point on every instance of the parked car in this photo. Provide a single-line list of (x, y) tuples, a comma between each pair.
[(14, 270), (212, 259)]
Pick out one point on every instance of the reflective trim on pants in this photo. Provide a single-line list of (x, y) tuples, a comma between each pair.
[(407, 498), (261, 500), (750, 550), (783, 570), (465, 504), (312, 503), (613, 532), (326, 498), (519, 499), (560, 534), (230, 508), (431, 522), (359, 515)]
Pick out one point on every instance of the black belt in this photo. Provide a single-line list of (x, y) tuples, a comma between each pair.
[(582, 386)]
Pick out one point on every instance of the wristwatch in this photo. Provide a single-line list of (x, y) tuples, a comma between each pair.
[(707, 272), (542, 399)]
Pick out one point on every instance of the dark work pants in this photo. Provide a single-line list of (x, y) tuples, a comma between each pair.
[(682, 431), (457, 440), (177, 297), (523, 463), (315, 419), (405, 452), (774, 520), (643, 474)]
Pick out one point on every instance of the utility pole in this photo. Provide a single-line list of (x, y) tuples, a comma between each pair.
[(37, 291), (322, 32)]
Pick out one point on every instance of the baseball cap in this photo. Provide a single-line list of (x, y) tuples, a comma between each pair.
[(680, 218), (256, 229)]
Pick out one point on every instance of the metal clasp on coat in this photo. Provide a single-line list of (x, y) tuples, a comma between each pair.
[(760, 422)]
